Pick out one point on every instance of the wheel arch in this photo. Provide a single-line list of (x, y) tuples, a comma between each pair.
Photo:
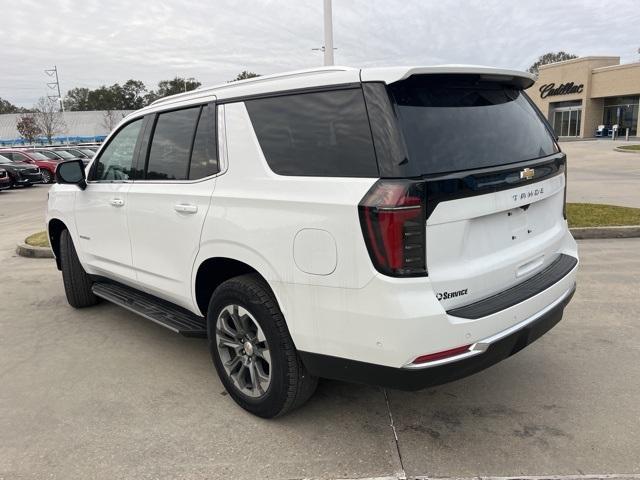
[(54, 228), (213, 271)]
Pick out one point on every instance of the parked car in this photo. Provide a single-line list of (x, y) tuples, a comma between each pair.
[(5, 181), (76, 152), (87, 152), (68, 155), (47, 165), (20, 174), (321, 224)]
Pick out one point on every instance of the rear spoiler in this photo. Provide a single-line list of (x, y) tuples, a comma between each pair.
[(516, 78)]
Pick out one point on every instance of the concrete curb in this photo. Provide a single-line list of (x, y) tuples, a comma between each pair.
[(618, 149), (30, 251), (584, 233)]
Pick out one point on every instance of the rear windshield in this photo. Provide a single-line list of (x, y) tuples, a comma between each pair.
[(453, 123)]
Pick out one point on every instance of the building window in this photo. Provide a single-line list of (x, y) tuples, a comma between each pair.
[(621, 111)]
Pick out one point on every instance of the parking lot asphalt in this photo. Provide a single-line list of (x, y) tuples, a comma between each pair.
[(103, 393), (598, 174)]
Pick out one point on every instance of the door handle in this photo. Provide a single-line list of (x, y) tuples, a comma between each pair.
[(185, 208), (116, 202)]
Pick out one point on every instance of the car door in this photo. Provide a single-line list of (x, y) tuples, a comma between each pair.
[(167, 207), (101, 208)]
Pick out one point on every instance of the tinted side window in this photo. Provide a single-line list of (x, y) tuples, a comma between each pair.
[(324, 134), (171, 145), (116, 161), (204, 158)]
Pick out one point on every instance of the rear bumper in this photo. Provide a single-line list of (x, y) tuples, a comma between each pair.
[(494, 349)]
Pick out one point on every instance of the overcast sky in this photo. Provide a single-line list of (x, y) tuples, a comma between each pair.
[(96, 42)]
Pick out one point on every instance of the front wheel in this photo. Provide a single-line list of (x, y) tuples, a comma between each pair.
[(47, 176), (77, 284), (252, 350)]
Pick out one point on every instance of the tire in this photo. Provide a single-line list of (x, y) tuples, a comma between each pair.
[(47, 176), (77, 284), (243, 310)]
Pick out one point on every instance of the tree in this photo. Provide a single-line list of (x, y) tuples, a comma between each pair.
[(8, 107), (110, 119), (244, 75), (174, 86), (77, 99), (133, 92), (550, 57), (48, 117), (130, 96), (28, 127)]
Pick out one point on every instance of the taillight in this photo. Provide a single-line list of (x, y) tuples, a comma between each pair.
[(564, 205), (392, 217)]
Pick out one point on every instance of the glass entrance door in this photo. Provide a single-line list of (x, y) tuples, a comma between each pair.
[(566, 122)]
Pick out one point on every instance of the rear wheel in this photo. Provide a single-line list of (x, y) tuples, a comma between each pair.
[(252, 350), (47, 176), (77, 284)]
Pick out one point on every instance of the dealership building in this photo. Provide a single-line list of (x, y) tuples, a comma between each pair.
[(577, 96)]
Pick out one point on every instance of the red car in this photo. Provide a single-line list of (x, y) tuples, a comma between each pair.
[(47, 165)]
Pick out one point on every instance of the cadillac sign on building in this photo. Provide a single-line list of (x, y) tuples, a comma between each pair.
[(550, 89)]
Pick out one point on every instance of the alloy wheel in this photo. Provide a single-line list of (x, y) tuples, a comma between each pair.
[(243, 350)]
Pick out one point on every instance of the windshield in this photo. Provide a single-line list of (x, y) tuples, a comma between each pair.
[(37, 156), (4, 160), (459, 122), (88, 152), (49, 155), (75, 152), (64, 154)]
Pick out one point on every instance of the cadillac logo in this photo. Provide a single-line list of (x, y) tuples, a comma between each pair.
[(527, 174)]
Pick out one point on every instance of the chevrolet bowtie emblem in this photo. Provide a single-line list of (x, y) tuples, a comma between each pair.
[(527, 174)]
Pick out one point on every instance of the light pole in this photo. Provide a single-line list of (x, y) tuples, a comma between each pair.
[(328, 34)]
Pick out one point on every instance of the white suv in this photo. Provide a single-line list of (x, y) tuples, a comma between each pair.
[(403, 227)]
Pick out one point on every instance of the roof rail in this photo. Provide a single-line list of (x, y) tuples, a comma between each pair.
[(260, 79)]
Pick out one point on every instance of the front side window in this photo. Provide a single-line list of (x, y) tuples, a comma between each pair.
[(171, 145), (324, 134), (18, 157), (116, 163)]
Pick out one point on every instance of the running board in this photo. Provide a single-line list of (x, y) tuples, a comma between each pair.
[(163, 313)]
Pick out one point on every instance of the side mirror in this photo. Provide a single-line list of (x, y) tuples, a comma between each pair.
[(71, 173)]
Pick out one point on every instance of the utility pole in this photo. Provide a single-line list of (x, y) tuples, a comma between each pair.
[(55, 85), (328, 34)]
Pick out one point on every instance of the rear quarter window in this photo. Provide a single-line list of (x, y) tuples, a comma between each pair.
[(324, 134)]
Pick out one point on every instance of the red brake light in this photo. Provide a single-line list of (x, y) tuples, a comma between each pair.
[(392, 217)]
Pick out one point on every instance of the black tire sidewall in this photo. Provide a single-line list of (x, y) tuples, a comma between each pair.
[(273, 401)]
